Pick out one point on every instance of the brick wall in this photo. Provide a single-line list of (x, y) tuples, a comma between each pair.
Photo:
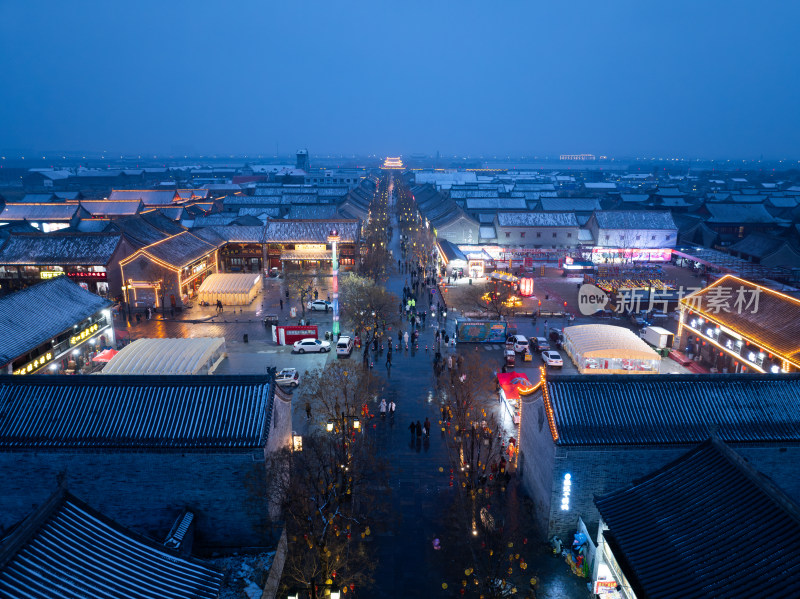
[(146, 491), (602, 470), (598, 471)]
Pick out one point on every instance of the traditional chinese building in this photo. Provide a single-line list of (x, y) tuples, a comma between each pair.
[(734, 325), (53, 327), (581, 437), (139, 448), (303, 244)]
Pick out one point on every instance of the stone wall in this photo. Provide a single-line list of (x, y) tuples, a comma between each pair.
[(145, 491), (599, 471)]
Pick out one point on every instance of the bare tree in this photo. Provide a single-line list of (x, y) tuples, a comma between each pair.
[(496, 299), (369, 307), (335, 490), (485, 534)]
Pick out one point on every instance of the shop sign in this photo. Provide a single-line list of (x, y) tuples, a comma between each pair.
[(602, 587), (84, 334), (198, 267), (88, 276), (310, 247), (50, 274), (36, 364)]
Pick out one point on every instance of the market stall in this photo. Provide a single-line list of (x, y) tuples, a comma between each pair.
[(231, 289), (513, 385), (199, 355), (606, 349)]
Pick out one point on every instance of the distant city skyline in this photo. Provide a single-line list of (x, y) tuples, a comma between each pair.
[(710, 80)]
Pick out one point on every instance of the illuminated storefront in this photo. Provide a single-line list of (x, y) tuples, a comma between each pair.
[(734, 325), (48, 343), (303, 244)]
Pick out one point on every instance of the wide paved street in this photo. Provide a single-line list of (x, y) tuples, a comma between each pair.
[(407, 564)]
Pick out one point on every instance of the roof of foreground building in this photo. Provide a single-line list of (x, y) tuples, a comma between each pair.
[(135, 411), (676, 519), (69, 550), (673, 409)]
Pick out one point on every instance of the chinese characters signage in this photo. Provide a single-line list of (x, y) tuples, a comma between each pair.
[(84, 334), (35, 365)]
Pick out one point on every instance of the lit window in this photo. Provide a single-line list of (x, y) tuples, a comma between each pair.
[(522, 234)]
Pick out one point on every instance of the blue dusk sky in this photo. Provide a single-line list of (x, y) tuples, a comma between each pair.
[(699, 79)]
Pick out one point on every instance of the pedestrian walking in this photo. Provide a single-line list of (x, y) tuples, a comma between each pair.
[(427, 427), (450, 362), (399, 336), (418, 428), (316, 294), (405, 338), (383, 408), (308, 411), (281, 301), (413, 428), (389, 359), (444, 414), (392, 408)]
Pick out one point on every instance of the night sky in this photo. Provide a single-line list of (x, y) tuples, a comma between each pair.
[(700, 79)]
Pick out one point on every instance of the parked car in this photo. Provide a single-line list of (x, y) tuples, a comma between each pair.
[(311, 345), (519, 342), (552, 358), (556, 336), (288, 377), (344, 346), (540, 344), (603, 314), (320, 305)]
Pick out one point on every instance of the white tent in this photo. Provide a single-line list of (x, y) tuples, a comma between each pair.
[(199, 355), (604, 349), (230, 288)]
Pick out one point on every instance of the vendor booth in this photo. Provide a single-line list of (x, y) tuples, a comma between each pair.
[(513, 385), (606, 349), (199, 355), (230, 289)]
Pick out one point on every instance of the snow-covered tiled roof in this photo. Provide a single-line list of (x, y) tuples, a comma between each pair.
[(536, 219), (34, 315), (487, 232), (111, 207), (149, 197), (181, 249), (60, 249), (738, 213), (634, 219), (241, 234), (39, 212), (570, 204), (314, 231), (496, 204)]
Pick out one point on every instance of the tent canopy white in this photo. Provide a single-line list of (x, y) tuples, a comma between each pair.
[(595, 347), (232, 289), (199, 355)]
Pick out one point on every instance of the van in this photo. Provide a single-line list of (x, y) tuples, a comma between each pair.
[(344, 347)]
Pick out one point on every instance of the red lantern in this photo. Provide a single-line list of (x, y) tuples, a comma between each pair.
[(526, 287)]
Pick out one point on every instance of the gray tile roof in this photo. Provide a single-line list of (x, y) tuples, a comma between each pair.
[(60, 249), (67, 549), (634, 219), (311, 231), (707, 499), (118, 411), (676, 409), (637, 198), (34, 315), (315, 212), (536, 219), (737, 214)]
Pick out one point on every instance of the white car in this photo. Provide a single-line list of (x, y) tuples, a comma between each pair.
[(520, 342), (552, 358), (311, 345), (320, 305), (288, 377)]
